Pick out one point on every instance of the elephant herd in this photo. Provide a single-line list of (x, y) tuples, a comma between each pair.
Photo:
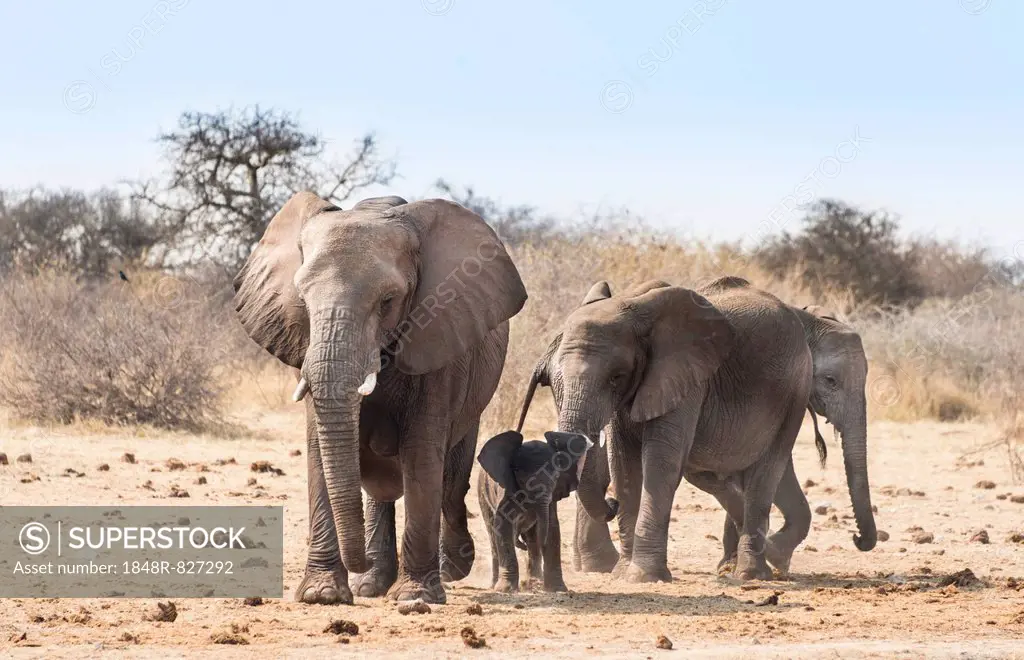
[(395, 316)]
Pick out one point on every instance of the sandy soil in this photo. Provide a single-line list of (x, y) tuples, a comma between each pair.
[(838, 603)]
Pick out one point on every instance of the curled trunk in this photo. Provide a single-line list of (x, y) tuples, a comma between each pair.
[(594, 480), (333, 382)]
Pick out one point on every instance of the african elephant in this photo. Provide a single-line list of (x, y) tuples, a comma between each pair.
[(395, 316), (837, 394), (678, 381)]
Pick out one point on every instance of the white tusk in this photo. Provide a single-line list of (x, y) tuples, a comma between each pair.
[(601, 438), (368, 385), (301, 391)]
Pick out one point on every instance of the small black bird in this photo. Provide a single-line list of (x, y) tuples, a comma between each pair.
[(122, 275)]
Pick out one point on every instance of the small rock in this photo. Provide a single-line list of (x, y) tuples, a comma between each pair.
[(178, 492), (342, 627), (821, 510), (810, 548), (980, 537), (265, 466), (253, 601), (251, 482), (128, 637), (922, 537), (225, 461), (810, 483), (964, 578), (770, 600), (1002, 496), (295, 452), (470, 638), (1017, 499), (103, 467), (711, 537), (663, 643), (3, 459), (165, 612), (229, 638), (414, 607), (201, 481), (173, 464), (128, 458), (1016, 537), (24, 458), (883, 535), (985, 484), (475, 609)]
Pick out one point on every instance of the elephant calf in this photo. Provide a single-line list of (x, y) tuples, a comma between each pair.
[(519, 489)]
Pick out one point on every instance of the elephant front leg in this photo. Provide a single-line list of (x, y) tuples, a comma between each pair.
[(625, 452), (592, 546), (457, 548), (419, 575), (381, 550), (326, 580)]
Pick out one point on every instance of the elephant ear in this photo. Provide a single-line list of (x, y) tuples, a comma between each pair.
[(467, 285), (267, 302), (573, 445), (687, 340), (497, 455), (600, 291)]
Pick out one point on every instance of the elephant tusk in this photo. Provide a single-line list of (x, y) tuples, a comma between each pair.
[(301, 390), (368, 385), (601, 438)]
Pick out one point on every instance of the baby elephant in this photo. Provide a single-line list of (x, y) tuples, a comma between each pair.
[(519, 487)]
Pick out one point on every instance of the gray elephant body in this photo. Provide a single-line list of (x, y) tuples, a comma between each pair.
[(838, 395), (712, 384), (396, 316), (519, 490)]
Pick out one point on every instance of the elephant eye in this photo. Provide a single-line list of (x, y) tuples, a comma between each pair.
[(385, 303), (831, 382)]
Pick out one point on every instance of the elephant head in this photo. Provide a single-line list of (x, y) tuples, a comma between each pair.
[(544, 472), (837, 394), (341, 295), (638, 354)]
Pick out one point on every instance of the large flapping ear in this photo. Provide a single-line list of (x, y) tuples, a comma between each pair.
[(600, 291), (266, 299), (687, 340), (497, 455), (467, 285)]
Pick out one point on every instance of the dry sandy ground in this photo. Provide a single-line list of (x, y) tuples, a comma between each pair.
[(838, 603)]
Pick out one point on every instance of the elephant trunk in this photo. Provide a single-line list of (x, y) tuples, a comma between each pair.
[(855, 460), (594, 479), (543, 522), (334, 378)]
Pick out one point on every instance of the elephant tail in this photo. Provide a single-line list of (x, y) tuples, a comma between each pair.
[(819, 442)]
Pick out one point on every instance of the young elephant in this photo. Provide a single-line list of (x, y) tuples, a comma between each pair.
[(519, 488)]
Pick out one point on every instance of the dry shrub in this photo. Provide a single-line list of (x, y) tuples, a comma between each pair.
[(145, 352)]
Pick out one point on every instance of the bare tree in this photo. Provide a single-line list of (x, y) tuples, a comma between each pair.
[(230, 171)]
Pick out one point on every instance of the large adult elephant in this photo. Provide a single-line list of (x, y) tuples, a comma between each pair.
[(678, 381), (395, 315), (837, 394)]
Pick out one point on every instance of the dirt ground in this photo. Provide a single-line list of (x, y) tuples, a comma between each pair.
[(838, 603)]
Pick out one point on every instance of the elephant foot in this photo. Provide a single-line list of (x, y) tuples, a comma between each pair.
[(429, 591), (603, 562), (620, 567), (727, 565), (553, 585), (637, 574), (506, 586), (457, 559), (323, 588), (375, 582), (755, 568)]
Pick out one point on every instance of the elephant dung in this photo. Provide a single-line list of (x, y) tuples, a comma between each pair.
[(663, 643)]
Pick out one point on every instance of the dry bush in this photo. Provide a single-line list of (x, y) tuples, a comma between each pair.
[(146, 352), (947, 359)]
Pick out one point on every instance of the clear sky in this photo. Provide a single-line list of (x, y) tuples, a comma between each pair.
[(700, 115)]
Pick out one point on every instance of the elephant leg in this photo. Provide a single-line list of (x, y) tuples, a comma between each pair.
[(326, 580), (534, 566), (503, 536), (552, 549), (760, 483), (457, 549), (381, 549), (797, 513), (423, 461), (666, 444), (731, 499)]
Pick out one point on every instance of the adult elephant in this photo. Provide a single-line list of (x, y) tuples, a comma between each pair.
[(837, 394), (395, 315), (678, 381)]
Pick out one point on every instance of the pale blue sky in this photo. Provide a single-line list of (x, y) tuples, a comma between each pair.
[(517, 98)]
